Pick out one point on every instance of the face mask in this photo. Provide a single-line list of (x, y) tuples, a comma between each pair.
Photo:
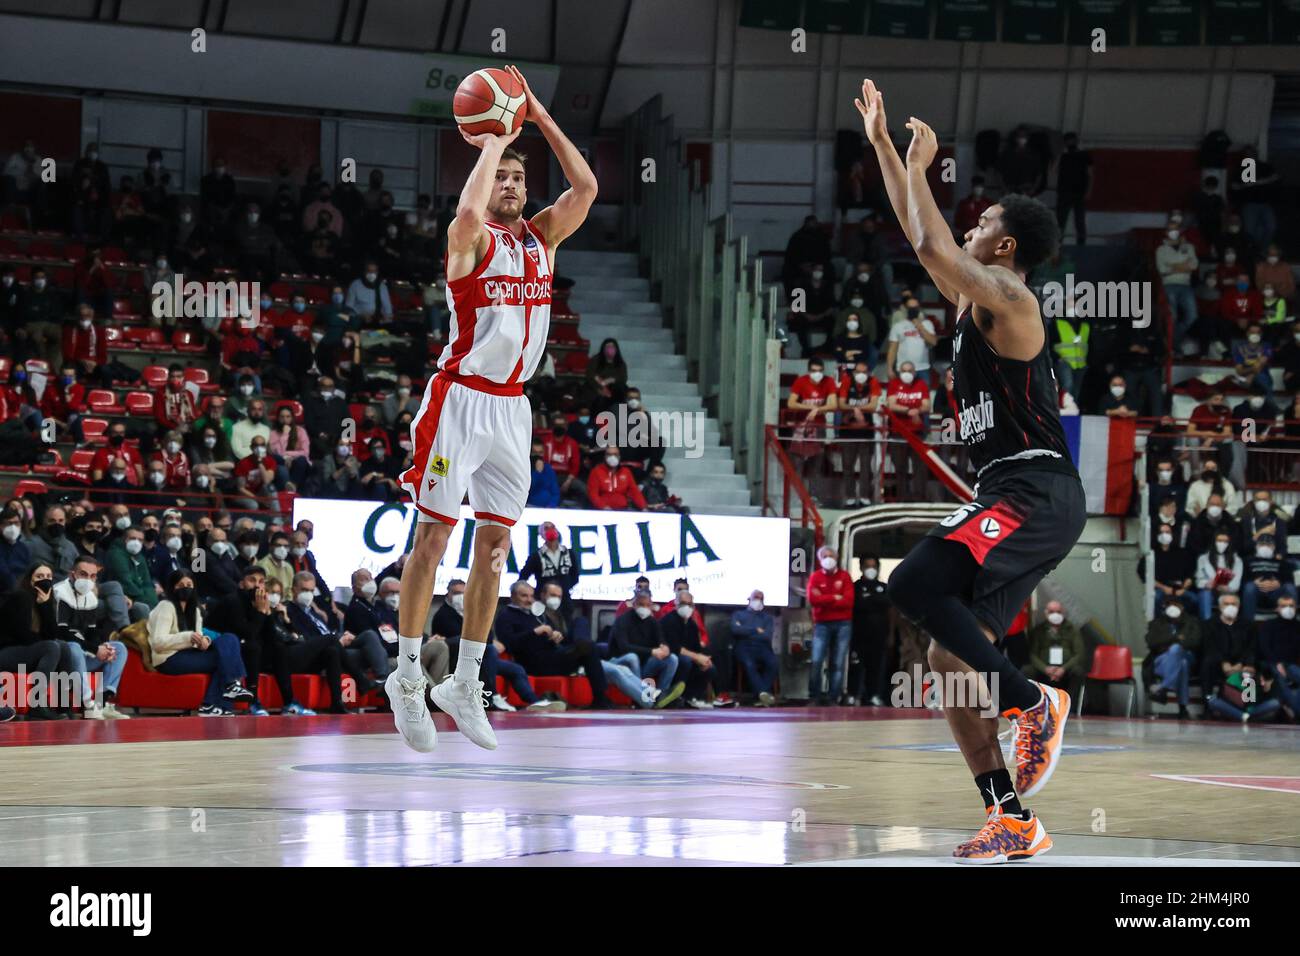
[(54, 531), (634, 403), (336, 298), (1166, 476), (1117, 391), (817, 274), (1229, 612), (537, 607), (906, 377), (457, 601), (38, 284), (304, 599), (367, 590), (977, 191), (1055, 619), (642, 612), (685, 611), (210, 441), (83, 586), (610, 352), (273, 599), (1221, 547), (1264, 553), (119, 476), (1173, 612), (201, 481), (816, 376), (344, 451), (1229, 257), (372, 276), (11, 532), (393, 601), (245, 390), (1173, 235), (584, 419), (1252, 339), (134, 546), (85, 323), (611, 461), (1268, 295), (299, 552), (828, 564), (1261, 506), (871, 574), (252, 218), (1209, 476), (1214, 511), (282, 552), (755, 604), (1165, 539), (1286, 613), (249, 551), (173, 544), (300, 307), (122, 523), (43, 586), (317, 337), (852, 324), (553, 603), (1243, 286), (860, 378)]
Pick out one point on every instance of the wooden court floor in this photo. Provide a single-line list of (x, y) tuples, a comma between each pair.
[(800, 786)]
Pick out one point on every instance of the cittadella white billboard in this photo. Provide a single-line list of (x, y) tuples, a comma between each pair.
[(724, 557)]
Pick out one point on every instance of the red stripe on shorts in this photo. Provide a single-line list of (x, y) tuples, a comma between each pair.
[(986, 529), (434, 514), (426, 428), (508, 522)]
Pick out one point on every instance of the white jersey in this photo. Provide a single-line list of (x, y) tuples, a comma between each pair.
[(501, 312)]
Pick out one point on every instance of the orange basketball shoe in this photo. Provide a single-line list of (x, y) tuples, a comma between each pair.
[(1004, 839), (1039, 732)]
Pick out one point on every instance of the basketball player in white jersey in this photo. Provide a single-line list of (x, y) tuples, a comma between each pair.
[(474, 428)]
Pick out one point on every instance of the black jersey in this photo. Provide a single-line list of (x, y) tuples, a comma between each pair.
[(1007, 410)]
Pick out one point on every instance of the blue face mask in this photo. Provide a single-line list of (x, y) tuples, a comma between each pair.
[(583, 419), (69, 379), (337, 298), (300, 307), (266, 302), (20, 376), (1243, 286)]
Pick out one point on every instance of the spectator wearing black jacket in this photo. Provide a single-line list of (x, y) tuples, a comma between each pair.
[(638, 634), (310, 621), (28, 640), (323, 414), (552, 563), (240, 615), (1267, 577), (220, 575), (1214, 520), (1142, 364), (1228, 645), (1262, 517), (1175, 572), (82, 621), (544, 651), (368, 613), (448, 621), (681, 632), (1279, 652), (1168, 483), (871, 627)]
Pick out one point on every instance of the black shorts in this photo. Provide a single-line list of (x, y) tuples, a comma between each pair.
[(1021, 525)]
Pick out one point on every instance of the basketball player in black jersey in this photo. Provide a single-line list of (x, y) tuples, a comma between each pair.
[(966, 581)]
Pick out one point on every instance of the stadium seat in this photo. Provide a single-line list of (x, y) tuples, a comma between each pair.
[(142, 688), (72, 251), (147, 337), (155, 376), (80, 459), (1111, 665), (281, 290), (184, 340), (122, 307), (43, 249), (93, 429), (37, 367), (134, 280), (293, 405), (101, 401), (10, 248), (113, 255), (116, 338), (140, 403), (317, 294), (6, 365), (575, 363), (30, 486), (54, 467)]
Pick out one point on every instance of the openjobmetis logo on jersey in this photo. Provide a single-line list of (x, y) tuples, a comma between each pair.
[(76, 909), (1098, 300)]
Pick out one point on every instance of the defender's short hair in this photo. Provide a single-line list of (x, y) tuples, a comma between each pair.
[(1034, 228), (511, 153)]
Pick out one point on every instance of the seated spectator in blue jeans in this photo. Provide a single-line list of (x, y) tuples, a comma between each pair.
[(1279, 652), (543, 650), (1174, 569), (1267, 578), (1246, 696), (752, 630), (635, 642), (1173, 639), (360, 651), (83, 623), (181, 646)]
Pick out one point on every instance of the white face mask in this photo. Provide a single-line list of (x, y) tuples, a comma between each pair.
[(1253, 339), (201, 481), (1165, 476), (394, 601), (457, 602), (83, 585), (1056, 620), (1287, 613), (210, 441), (249, 551), (1117, 391), (860, 377), (1214, 511), (134, 546), (122, 523), (1265, 552), (906, 377), (174, 544), (816, 376), (1221, 547), (1165, 539), (1229, 612), (642, 612), (273, 599), (298, 552), (851, 325), (11, 532), (1173, 612), (1261, 506), (871, 574), (755, 604), (344, 451), (304, 599), (611, 461), (537, 607), (685, 611), (553, 603), (368, 589), (828, 564)]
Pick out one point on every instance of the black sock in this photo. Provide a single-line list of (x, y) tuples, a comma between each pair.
[(995, 788)]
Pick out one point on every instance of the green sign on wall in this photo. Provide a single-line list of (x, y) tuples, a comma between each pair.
[(1087, 16), (1169, 22), (1033, 21), (900, 18), (973, 20)]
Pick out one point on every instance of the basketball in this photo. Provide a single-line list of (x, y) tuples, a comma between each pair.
[(489, 101)]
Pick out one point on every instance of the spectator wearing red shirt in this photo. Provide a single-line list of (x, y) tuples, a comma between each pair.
[(1211, 422), (642, 584), (969, 210), (64, 402), (369, 430), (679, 586), (173, 457), (94, 281), (565, 458), (174, 408), (830, 596), (812, 403), (240, 348), (255, 477), (1241, 305), (908, 398), (85, 343), (612, 487), (118, 448), (858, 401)]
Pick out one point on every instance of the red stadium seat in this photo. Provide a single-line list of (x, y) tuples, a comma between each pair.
[(575, 363), (116, 338), (30, 486), (1111, 665), (317, 294), (291, 404), (6, 364), (155, 376), (139, 403), (134, 280), (281, 290), (101, 401), (12, 222), (72, 251), (148, 337), (93, 429), (142, 688), (54, 467), (11, 248), (43, 249), (184, 340), (115, 254), (122, 307)]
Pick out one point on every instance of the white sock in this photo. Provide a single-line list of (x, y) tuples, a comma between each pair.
[(469, 659), (408, 658)]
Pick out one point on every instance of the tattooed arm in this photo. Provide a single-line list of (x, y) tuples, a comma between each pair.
[(1018, 332)]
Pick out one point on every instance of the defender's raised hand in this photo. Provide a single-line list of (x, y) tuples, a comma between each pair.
[(872, 108), (924, 144)]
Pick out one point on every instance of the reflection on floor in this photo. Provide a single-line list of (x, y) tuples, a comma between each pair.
[(812, 787)]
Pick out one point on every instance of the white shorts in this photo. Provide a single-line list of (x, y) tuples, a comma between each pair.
[(471, 438)]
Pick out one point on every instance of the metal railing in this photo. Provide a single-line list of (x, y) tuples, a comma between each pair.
[(722, 314)]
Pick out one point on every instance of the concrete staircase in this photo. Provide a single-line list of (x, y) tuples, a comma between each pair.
[(614, 302)]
